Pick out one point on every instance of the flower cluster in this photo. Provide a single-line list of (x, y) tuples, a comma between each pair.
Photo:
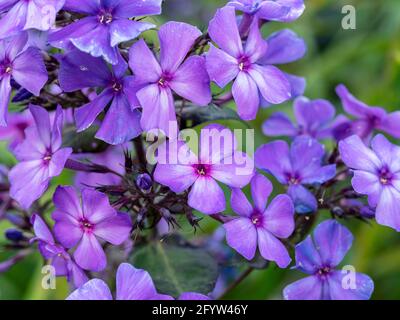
[(111, 98)]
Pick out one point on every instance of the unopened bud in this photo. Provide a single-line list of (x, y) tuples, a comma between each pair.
[(144, 181)]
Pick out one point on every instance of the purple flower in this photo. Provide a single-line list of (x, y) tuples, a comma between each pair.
[(376, 174), (107, 23), (25, 66), (60, 259), (182, 169), (15, 130), (318, 258), (295, 167), (368, 118), (235, 62), (187, 78), (275, 10), (79, 70), (315, 118), (82, 224), (20, 15), (131, 284), (41, 157), (260, 224)]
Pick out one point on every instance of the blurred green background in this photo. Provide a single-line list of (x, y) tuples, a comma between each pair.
[(367, 60)]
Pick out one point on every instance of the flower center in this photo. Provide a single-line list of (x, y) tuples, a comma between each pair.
[(164, 79), (293, 179), (385, 176), (202, 169), (324, 272), (105, 18), (86, 225), (5, 67), (47, 157), (244, 63), (257, 219), (117, 86)]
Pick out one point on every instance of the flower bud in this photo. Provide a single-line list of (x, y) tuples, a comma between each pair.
[(14, 235), (144, 182)]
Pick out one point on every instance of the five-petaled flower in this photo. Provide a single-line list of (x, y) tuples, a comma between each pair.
[(300, 165), (376, 174), (217, 161), (318, 258), (41, 157), (82, 224), (174, 73), (261, 224), (233, 61), (121, 123)]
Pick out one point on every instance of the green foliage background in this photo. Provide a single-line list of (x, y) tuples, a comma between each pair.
[(367, 60)]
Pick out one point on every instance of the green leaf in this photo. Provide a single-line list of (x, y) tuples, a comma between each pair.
[(198, 115), (177, 268)]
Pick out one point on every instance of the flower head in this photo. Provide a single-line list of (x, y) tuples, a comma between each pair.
[(318, 258), (315, 118), (376, 174), (188, 78), (368, 118), (20, 15), (50, 250), (217, 160), (82, 224), (79, 70), (300, 165), (131, 283), (24, 65), (260, 224), (233, 61), (41, 157), (105, 25), (14, 133)]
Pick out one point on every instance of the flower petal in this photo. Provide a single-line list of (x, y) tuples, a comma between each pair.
[(272, 83), (94, 289), (304, 201), (332, 241), (176, 39), (207, 196), (241, 235), (272, 249), (356, 155), (240, 204), (129, 9), (245, 94), (279, 124), (274, 157), (224, 31), (122, 30), (5, 93), (388, 209), (284, 47), (114, 229), (279, 216), (89, 254), (96, 206), (114, 129), (191, 81), (309, 288), (308, 259), (143, 63), (261, 189), (221, 67), (158, 108), (134, 284), (364, 286), (29, 70)]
